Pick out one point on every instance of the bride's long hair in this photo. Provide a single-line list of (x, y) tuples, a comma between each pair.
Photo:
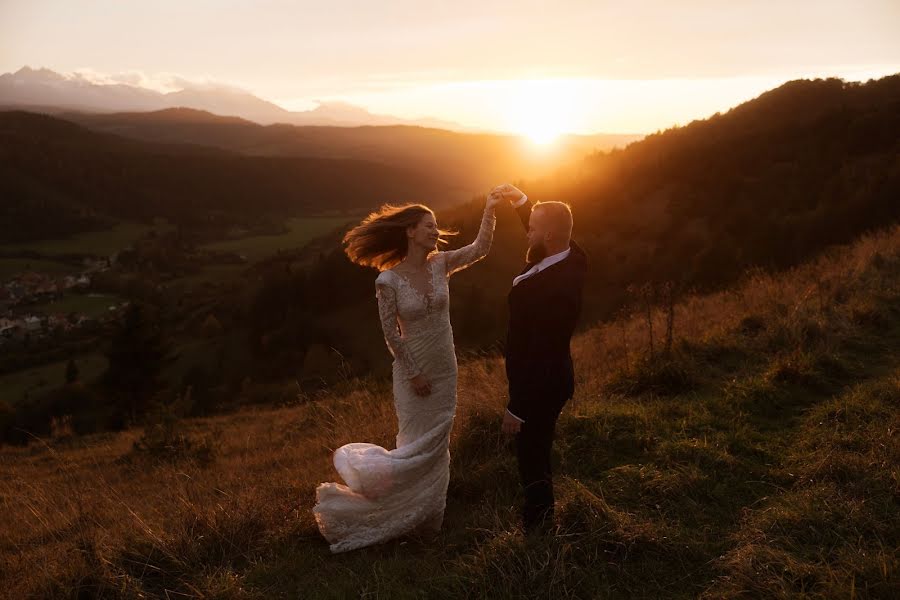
[(380, 240)]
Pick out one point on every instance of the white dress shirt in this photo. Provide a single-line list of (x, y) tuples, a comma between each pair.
[(548, 261)]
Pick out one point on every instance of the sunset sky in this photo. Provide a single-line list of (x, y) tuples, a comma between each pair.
[(523, 66)]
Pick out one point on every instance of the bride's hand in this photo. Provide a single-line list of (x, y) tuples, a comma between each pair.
[(494, 198), (421, 385)]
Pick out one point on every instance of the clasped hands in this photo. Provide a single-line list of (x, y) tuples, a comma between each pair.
[(504, 192)]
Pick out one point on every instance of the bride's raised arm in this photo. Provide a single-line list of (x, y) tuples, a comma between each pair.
[(458, 260)]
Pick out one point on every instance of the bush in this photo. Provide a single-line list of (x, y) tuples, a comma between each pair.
[(165, 439)]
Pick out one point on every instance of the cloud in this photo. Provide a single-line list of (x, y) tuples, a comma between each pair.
[(162, 82), (205, 84)]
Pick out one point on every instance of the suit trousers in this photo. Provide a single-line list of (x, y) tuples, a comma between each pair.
[(534, 443)]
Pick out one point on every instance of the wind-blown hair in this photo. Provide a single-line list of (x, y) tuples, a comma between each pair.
[(380, 240)]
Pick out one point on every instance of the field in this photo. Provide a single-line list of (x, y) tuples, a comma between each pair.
[(39, 380), (10, 267), (300, 232), (90, 305), (758, 459), (96, 243), (209, 275)]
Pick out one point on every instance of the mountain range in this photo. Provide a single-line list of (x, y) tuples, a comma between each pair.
[(48, 91)]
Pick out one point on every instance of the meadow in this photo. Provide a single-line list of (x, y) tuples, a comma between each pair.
[(301, 230), (33, 382), (10, 267), (96, 243), (90, 305), (757, 458)]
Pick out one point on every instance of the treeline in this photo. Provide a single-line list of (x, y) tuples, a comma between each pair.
[(806, 165)]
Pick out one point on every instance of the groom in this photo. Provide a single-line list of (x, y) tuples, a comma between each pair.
[(544, 305)]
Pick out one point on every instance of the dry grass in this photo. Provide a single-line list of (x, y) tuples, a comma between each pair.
[(759, 463)]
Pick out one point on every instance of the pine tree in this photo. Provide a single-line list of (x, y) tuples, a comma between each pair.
[(135, 356), (71, 372)]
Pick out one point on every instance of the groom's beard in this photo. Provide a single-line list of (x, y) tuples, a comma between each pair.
[(536, 253)]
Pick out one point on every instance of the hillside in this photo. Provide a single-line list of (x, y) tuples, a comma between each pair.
[(57, 169), (807, 164), (758, 459)]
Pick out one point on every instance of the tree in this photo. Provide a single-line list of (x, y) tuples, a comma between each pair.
[(211, 327), (71, 372), (135, 356)]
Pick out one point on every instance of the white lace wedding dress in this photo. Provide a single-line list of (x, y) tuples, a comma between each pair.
[(391, 492)]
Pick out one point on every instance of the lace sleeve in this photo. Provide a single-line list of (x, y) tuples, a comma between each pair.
[(458, 260), (387, 312)]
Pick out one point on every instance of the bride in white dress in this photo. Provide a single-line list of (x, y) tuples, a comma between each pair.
[(387, 493)]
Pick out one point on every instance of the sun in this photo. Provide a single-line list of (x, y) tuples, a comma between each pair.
[(542, 134), (540, 110)]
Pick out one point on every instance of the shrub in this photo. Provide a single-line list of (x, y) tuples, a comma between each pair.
[(165, 439)]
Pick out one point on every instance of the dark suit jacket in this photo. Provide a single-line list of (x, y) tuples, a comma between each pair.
[(543, 311)]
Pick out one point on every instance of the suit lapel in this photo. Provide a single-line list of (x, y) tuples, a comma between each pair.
[(551, 268), (527, 268), (540, 273)]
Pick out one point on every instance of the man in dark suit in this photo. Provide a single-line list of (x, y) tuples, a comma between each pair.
[(544, 305)]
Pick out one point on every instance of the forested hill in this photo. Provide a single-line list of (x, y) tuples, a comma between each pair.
[(766, 184), (470, 161), (804, 165), (57, 177)]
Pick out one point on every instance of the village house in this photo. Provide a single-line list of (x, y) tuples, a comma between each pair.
[(16, 291), (7, 327), (46, 289), (33, 323), (59, 321)]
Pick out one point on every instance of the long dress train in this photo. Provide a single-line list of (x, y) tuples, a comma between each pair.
[(387, 493)]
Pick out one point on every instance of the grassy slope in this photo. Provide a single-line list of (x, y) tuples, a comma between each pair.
[(760, 460)]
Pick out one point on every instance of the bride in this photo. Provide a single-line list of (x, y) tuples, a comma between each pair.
[(391, 492)]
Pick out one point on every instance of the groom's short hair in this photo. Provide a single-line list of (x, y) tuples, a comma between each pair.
[(559, 215)]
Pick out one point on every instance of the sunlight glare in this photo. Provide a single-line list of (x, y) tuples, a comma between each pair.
[(541, 110)]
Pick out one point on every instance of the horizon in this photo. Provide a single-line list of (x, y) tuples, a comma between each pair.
[(581, 68), (538, 135)]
